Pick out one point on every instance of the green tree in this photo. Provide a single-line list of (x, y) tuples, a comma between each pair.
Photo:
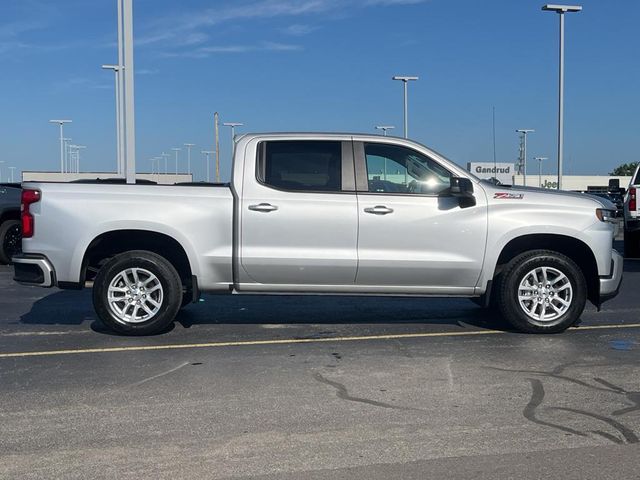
[(625, 170)]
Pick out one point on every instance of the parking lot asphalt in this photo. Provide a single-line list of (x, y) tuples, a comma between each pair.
[(316, 388)]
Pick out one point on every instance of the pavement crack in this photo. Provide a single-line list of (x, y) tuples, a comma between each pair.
[(530, 410), (626, 432), (342, 392), (148, 379)]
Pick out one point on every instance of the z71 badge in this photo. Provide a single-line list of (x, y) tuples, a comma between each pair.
[(509, 196)]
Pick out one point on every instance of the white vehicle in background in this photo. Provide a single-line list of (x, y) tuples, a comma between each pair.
[(632, 217), (315, 213)]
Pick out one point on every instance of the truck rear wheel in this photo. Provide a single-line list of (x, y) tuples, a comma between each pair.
[(631, 244), (10, 241), (137, 293), (542, 291)]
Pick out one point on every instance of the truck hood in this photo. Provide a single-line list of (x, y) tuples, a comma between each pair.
[(543, 196)]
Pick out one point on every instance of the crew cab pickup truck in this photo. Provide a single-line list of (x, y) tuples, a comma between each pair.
[(9, 221), (322, 214), (631, 214)]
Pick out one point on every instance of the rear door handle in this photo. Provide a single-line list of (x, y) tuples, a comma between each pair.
[(379, 210), (263, 207)]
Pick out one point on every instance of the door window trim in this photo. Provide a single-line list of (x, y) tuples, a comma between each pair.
[(347, 162)]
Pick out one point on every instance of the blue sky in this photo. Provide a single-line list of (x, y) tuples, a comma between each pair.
[(323, 65)]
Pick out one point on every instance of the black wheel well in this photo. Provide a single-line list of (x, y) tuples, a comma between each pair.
[(575, 249), (109, 244), (10, 215)]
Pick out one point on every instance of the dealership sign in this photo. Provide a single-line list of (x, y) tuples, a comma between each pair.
[(502, 171)]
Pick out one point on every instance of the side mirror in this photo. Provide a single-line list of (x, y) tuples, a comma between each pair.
[(461, 187)]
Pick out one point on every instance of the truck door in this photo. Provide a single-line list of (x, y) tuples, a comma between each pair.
[(412, 232), (298, 215)]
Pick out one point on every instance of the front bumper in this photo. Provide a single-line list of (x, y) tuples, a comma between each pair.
[(610, 284), (32, 269)]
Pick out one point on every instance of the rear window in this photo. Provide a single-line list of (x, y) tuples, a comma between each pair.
[(312, 166)]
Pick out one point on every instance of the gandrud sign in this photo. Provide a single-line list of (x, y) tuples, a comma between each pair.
[(502, 171)]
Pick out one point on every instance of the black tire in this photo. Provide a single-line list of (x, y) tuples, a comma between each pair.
[(631, 244), (166, 276), (10, 242), (516, 271)]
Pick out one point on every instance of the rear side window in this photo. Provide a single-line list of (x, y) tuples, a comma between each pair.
[(311, 166)]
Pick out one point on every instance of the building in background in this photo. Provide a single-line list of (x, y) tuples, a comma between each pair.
[(580, 183)]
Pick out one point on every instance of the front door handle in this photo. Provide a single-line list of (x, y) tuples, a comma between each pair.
[(379, 210), (263, 207)]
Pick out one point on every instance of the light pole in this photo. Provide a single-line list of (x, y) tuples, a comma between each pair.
[(165, 155), (233, 126), (540, 159), (405, 81), (125, 59), (117, 69), (523, 151), (67, 154), (189, 146), (384, 128), (176, 149), (75, 157), (208, 154), (61, 123), (11, 169), (561, 10)]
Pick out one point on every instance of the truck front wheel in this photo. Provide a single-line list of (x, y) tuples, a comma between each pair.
[(137, 293), (542, 291)]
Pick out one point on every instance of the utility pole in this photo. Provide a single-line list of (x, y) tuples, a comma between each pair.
[(189, 146), (405, 81), (119, 122), (207, 154), (561, 10), (522, 163), (384, 128), (125, 54), (217, 142), (61, 124)]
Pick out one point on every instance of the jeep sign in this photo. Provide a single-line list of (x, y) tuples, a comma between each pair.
[(502, 171)]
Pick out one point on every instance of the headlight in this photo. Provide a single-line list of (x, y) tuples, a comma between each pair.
[(605, 215)]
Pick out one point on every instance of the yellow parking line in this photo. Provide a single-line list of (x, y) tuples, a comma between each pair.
[(289, 341)]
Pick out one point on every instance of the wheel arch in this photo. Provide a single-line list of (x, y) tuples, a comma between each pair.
[(111, 243), (571, 247)]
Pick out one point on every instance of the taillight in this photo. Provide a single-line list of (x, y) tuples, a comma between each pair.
[(29, 197), (632, 199)]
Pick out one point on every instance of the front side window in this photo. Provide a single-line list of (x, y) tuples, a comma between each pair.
[(311, 166), (395, 169)]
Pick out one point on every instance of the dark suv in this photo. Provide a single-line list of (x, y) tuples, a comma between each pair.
[(10, 241)]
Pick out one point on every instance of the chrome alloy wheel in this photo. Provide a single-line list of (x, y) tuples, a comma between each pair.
[(545, 294), (135, 296)]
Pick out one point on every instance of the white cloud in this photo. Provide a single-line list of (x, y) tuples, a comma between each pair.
[(298, 30)]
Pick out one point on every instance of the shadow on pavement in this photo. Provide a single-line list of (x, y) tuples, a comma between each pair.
[(75, 308)]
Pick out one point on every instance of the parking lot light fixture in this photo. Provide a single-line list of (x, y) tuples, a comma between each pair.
[(540, 160), (176, 149), (207, 154), (61, 124), (561, 10), (189, 147), (165, 156), (405, 80), (384, 128)]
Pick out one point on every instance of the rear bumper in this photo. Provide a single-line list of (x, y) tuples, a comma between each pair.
[(32, 269), (610, 284)]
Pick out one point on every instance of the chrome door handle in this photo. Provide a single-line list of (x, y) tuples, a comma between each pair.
[(263, 207), (379, 210)]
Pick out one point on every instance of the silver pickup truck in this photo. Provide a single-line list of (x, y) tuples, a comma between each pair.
[(322, 214)]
